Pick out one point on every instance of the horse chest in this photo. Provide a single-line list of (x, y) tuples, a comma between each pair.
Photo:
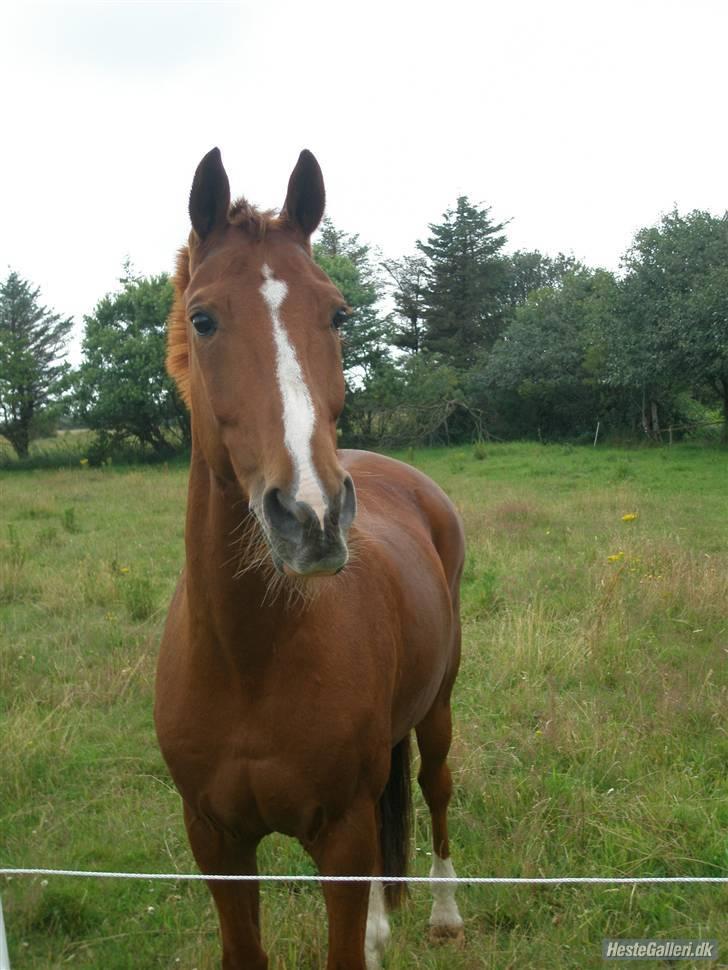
[(251, 763)]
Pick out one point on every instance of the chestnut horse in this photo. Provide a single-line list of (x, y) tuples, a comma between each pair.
[(297, 658)]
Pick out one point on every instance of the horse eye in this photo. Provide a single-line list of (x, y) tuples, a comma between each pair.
[(339, 318), (203, 324)]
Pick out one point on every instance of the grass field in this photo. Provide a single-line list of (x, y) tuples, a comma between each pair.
[(591, 715)]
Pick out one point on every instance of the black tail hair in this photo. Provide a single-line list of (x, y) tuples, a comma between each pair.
[(395, 811)]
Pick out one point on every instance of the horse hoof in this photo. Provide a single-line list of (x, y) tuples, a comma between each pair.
[(442, 933)]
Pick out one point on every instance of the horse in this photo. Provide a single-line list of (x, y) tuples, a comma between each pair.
[(316, 622)]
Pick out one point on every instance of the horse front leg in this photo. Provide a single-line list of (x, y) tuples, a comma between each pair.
[(349, 847), (237, 903)]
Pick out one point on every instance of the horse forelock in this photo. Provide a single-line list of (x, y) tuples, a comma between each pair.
[(255, 222)]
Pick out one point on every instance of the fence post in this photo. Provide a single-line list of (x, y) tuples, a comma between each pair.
[(4, 957)]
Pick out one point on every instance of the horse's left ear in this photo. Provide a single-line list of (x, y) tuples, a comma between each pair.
[(306, 197)]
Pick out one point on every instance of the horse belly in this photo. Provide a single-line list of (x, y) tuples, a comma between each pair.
[(427, 659), (422, 613)]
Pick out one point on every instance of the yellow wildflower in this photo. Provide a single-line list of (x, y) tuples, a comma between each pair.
[(629, 517), (124, 569), (617, 557)]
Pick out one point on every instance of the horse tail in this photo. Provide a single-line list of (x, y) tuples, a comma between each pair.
[(395, 812)]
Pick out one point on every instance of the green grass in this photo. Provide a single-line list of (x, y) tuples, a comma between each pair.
[(590, 731)]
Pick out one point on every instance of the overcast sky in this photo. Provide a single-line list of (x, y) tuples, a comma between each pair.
[(578, 121)]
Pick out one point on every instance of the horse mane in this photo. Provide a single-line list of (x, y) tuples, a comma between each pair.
[(178, 354), (256, 223)]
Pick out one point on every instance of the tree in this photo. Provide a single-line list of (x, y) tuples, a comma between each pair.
[(411, 401), (532, 270), (672, 332), (123, 387), (702, 340), (466, 284), (550, 364), (348, 262), (408, 277), (32, 369)]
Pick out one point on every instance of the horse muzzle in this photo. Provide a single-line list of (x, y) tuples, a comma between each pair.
[(303, 545)]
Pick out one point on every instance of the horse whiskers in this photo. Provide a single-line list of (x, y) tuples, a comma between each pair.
[(252, 554), (250, 542), (298, 593)]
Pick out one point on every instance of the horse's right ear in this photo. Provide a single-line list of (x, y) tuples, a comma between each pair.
[(210, 195)]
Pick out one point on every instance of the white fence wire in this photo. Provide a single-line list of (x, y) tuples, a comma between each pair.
[(434, 880)]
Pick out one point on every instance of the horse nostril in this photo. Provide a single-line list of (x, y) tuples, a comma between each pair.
[(348, 504), (281, 514), (297, 525), (342, 508), (302, 544)]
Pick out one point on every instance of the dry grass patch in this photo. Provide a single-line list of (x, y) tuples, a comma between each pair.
[(515, 516)]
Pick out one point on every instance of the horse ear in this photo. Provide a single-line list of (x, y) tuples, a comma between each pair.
[(306, 197), (210, 195)]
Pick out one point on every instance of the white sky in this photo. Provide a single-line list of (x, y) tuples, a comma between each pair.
[(580, 121)]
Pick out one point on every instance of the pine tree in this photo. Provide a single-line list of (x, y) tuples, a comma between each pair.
[(466, 286), (408, 276), (32, 348)]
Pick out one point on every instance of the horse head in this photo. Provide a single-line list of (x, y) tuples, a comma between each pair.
[(255, 350)]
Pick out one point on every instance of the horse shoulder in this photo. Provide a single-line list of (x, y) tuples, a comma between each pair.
[(396, 497)]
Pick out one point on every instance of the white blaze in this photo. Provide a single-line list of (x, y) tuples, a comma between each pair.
[(299, 417)]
